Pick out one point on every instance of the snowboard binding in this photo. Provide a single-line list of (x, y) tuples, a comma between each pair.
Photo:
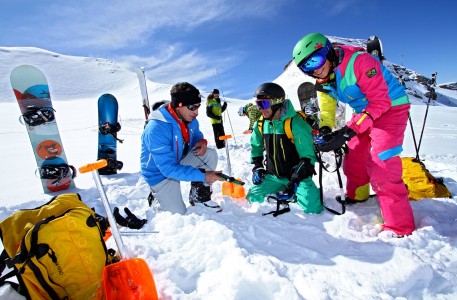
[(35, 115), (112, 167), (282, 199), (57, 172), (112, 129)]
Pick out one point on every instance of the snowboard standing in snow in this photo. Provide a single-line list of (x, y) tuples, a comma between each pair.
[(108, 127), (374, 47), (32, 93), (307, 96), (144, 93)]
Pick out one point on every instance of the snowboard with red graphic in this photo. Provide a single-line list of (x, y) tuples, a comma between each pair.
[(37, 114)]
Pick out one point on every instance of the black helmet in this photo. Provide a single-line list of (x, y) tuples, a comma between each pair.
[(215, 91), (271, 90)]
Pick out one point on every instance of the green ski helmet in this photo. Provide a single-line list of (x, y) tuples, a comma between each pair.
[(310, 44)]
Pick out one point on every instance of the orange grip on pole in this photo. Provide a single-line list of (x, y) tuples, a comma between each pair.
[(93, 166), (225, 137)]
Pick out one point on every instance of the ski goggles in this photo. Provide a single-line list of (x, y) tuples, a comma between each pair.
[(263, 103), (314, 62), (193, 107)]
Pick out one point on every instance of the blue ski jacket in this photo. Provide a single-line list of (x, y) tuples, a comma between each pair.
[(162, 146)]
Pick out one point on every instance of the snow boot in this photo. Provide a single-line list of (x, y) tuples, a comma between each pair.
[(200, 193)]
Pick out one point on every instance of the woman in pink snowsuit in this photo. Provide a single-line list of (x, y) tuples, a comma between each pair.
[(374, 133)]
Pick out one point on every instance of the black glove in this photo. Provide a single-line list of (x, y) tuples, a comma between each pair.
[(102, 222), (131, 221), (324, 130), (258, 175), (291, 188), (336, 139), (302, 170)]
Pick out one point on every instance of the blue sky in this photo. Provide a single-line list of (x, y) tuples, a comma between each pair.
[(246, 42)]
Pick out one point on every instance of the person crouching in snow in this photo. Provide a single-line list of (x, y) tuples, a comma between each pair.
[(289, 164), (375, 132), (173, 149)]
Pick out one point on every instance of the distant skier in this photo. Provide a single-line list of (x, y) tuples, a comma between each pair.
[(374, 133), (214, 111), (252, 112)]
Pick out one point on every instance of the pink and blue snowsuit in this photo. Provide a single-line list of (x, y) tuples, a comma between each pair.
[(380, 117)]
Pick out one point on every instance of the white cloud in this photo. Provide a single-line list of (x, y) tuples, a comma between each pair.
[(115, 24), (173, 64)]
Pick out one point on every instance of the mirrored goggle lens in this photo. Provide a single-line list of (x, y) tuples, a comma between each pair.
[(263, 103), (193, 107), (313, 63)]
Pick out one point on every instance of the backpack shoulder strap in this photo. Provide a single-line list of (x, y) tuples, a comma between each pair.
[(260, 124), (288, 125)]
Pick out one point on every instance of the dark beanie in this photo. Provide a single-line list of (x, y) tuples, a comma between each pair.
[(187, 97), (215, 91)]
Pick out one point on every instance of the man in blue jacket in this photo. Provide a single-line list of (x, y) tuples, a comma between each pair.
[(173, 149)]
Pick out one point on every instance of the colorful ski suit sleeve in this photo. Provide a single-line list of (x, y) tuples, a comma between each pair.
[(372, 84), (328, 110)]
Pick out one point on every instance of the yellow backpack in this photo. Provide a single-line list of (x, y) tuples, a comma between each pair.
[(420, 183), (56, 250)]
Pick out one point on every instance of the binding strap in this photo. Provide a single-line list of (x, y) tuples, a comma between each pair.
[(279, 202), (57, 172), (112, 129), (338, 160), (35, 115)]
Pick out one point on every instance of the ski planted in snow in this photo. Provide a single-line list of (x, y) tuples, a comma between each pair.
[(108, 127), (32, 93), (144, 93)]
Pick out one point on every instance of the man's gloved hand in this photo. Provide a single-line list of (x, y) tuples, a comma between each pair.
[(131, 221), (324, 130), (291, 188), (302, 170), (336, 139), (258, 175)]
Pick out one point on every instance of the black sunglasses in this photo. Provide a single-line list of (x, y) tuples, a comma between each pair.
[(193, 107)]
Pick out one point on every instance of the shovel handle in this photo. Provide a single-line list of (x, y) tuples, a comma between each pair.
[(225, 137), (93, 166)]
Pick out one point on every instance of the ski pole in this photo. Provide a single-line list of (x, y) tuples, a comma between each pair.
[(93, 168), (414, 136), (431, 90), (228, 115)]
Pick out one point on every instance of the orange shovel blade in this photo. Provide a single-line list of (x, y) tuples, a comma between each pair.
[(129, 279), (233, 190)]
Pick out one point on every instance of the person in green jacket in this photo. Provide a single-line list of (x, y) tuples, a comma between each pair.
[(252, 112), (289, 163), (214, 111)]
